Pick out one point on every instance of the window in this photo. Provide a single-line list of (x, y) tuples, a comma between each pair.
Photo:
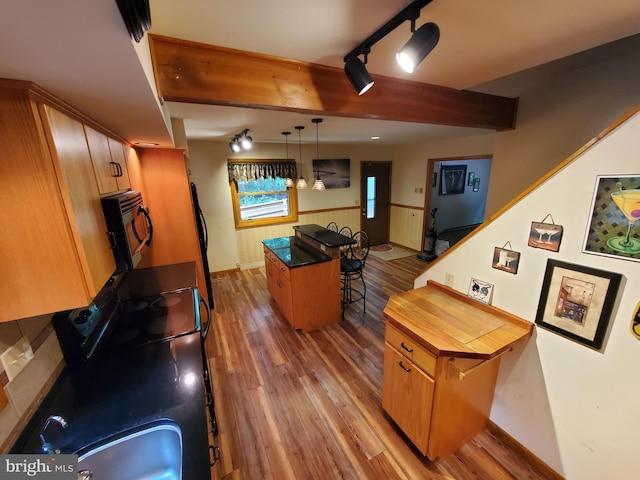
[(258, 192)]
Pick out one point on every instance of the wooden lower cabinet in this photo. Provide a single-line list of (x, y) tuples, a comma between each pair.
[(441, 360), (308, 296), (407, 396), (435, 403)]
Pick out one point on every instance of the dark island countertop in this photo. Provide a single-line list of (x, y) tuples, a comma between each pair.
[(324, 235), (293, 252)]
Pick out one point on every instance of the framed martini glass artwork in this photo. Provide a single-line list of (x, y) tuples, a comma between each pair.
[(614, 229)]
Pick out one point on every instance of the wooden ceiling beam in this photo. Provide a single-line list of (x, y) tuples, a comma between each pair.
[(197, 73)]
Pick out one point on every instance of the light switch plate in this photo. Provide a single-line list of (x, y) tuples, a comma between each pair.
[(16, 357)]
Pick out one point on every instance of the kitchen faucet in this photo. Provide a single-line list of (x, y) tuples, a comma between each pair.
[(46, 446)]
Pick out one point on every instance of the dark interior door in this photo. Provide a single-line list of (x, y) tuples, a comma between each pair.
[(375, 200)]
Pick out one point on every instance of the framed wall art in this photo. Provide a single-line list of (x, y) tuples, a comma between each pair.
[(335, 173), (452, 179), (472, 176), (545, 235), (476, 184), (576, 301), (481, 291), (614, 226), (635, 322), (505, 260)]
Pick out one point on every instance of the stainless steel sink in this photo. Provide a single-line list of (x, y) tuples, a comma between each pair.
[(151, 451)]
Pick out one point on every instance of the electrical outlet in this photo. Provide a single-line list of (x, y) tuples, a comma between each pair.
[(448, 279), (16, 357)]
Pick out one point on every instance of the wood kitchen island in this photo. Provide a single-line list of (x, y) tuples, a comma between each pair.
[(303, 275), (441, 358)]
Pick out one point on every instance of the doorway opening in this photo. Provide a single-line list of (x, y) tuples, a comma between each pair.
[(456, 196)]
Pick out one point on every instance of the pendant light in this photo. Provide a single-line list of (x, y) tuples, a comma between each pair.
[(318, 184), (289, 181), (302, 183)]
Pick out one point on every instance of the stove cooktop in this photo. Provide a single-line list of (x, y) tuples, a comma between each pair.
[(155, 318)]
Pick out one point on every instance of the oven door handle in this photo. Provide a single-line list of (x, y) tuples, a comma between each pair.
[(205, 330)]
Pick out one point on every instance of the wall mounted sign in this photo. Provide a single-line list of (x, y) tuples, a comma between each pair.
[(452, 179), (576, 301), (480, 290), (505, 259), (545, 235), (614, 230)]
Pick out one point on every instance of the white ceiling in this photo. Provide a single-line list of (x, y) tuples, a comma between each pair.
[(81, 52)]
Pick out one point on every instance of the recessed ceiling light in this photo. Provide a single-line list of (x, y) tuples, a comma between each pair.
[(375, 137), (146, 144)]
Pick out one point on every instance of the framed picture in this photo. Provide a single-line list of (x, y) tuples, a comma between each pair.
[(335, 173), (472, 176), (476, 184), (452, 179), (545, 235), (505, 260), (576, 301), (614, 227), (635, 322), (480, 290)]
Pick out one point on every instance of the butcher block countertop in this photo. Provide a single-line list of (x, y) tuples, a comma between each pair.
[(448, 323)]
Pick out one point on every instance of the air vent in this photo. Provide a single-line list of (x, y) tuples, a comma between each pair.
[(136, 16)]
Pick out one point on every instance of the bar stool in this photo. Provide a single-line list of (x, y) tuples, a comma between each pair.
[(351, 268), (333, 226)]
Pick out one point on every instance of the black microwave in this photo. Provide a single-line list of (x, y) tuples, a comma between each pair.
[(129, 227)]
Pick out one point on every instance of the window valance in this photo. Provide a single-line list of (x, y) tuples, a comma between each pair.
[(251, 170)]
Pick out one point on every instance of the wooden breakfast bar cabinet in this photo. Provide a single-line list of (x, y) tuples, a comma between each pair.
[(441, 358), (303, 275)]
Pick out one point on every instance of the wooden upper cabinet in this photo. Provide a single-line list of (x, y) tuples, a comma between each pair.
[(109, 162), (54, 250), (119, 159)]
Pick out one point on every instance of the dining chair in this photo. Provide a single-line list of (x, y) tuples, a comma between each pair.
[(351, 270)]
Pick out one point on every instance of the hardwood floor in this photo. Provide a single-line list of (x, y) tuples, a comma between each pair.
[(308, 406)]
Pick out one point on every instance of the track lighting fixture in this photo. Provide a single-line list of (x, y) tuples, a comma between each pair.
[(302, 183), (357, 74), (288, 181), (416, 49), (318, 184), (419, 45), (241, 141)]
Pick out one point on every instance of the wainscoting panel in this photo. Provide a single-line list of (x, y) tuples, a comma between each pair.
[(406, 226)]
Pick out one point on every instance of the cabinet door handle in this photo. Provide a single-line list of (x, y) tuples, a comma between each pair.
[(403, 367), (405, 347), (115, 166)]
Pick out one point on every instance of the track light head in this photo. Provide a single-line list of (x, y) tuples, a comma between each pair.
[(357, 74), (246, 141), (418, 47), (234, 145)]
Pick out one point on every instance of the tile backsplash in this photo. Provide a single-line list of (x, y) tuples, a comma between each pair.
[(28, 388)]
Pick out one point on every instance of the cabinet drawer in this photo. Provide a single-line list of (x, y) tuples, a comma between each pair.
[(411, 349), (284, 270)]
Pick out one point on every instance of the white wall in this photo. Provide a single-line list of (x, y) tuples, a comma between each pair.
[(572, 406)]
